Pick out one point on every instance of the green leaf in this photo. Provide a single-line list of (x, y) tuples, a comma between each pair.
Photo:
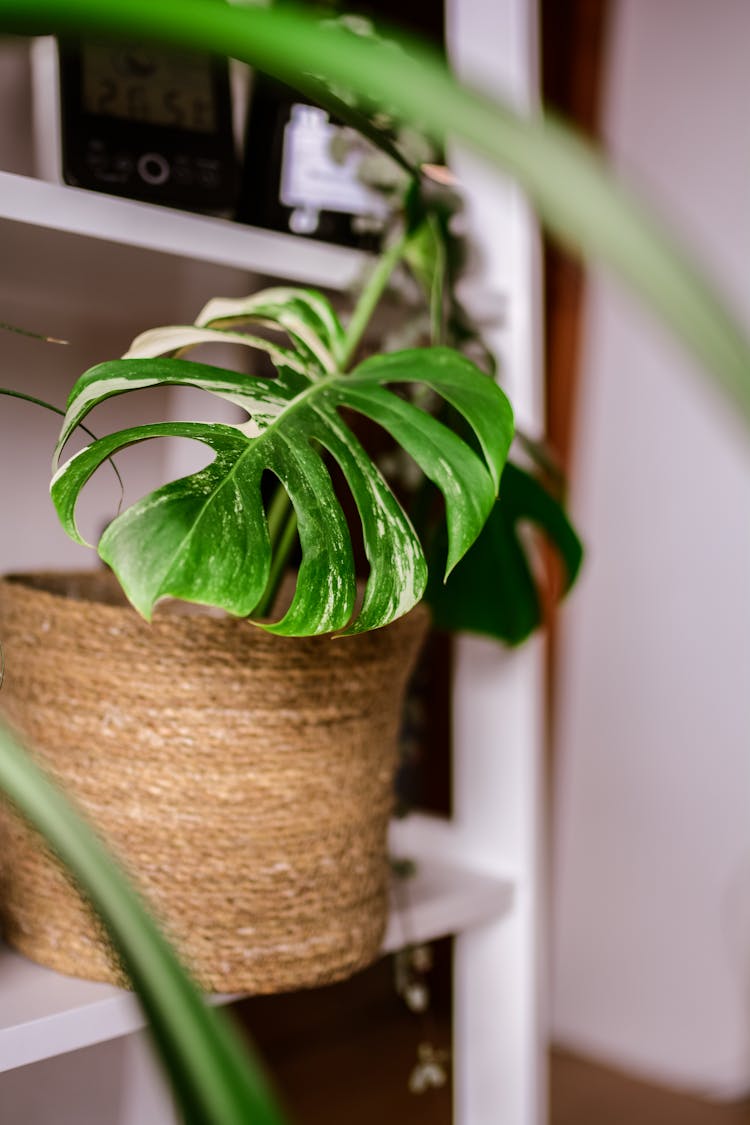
[(211, 1071), (205, 538), (180, 338), (33, 400), (492, 590), (460, 383), (569, 185), (306, 316)]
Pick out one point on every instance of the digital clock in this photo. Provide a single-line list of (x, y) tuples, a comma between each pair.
[(147, 123)]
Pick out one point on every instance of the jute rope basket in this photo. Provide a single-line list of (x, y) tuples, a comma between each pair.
[(244, 780)]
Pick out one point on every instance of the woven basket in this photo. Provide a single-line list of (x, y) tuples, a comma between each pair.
[(244, 780)]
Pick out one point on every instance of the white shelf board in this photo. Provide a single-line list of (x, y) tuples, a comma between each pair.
[(43, 1013), (38, 203), (443, 896)]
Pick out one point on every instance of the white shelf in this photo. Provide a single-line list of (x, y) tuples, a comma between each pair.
[(44, 1013), (96, 265), (91, 214), (447, 894)]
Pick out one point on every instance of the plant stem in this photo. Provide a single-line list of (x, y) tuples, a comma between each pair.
[(280, 515), (57, 410), (282, 519), (286, 540), (31, 335), (368, 299), (278, 510), (32, 399)]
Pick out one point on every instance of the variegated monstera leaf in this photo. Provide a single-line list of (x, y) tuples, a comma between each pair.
[(205, 538)]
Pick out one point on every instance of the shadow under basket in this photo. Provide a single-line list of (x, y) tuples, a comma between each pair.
[(245, 781)]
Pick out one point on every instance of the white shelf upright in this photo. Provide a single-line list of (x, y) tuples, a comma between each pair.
[(89, 1035), (67, 1047), (499, 1024)]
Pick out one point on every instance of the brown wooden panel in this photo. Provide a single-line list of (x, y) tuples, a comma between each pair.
[(573, 36)]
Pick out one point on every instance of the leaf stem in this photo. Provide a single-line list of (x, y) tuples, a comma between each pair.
[(277, 512), (369, 297), (57, 410), (32, 399), (284, 545), (32, 335), (282, 518)]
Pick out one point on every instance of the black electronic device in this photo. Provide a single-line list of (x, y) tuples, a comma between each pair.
[(148, 123), (292, 180)]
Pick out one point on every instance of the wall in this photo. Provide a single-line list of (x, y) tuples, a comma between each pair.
[(68, 287), (652, 846), (96, 295)]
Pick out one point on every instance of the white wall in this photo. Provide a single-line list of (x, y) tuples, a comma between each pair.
[(97, 295), (652, 855), (97, 300)]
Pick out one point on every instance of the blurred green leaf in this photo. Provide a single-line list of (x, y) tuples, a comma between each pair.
[(571, 188), (213, 1074)]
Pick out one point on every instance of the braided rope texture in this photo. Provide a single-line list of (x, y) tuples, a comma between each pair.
[(244, 780)]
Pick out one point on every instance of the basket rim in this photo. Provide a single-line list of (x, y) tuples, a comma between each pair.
[(174, 615)]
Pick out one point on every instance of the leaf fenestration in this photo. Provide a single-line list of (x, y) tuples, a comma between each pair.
[(205, 538)]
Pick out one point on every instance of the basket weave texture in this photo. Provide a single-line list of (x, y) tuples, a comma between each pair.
[(244, 780)]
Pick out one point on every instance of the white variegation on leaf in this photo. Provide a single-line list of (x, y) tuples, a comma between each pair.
[(179, 338), (205, 538), (307, 317)]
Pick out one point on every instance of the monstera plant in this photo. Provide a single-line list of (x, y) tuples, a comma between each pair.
[(575, 196), (208, 538), (461, 550), (225, 535)]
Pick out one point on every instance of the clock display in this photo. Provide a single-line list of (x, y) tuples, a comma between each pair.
[(139, 82)]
